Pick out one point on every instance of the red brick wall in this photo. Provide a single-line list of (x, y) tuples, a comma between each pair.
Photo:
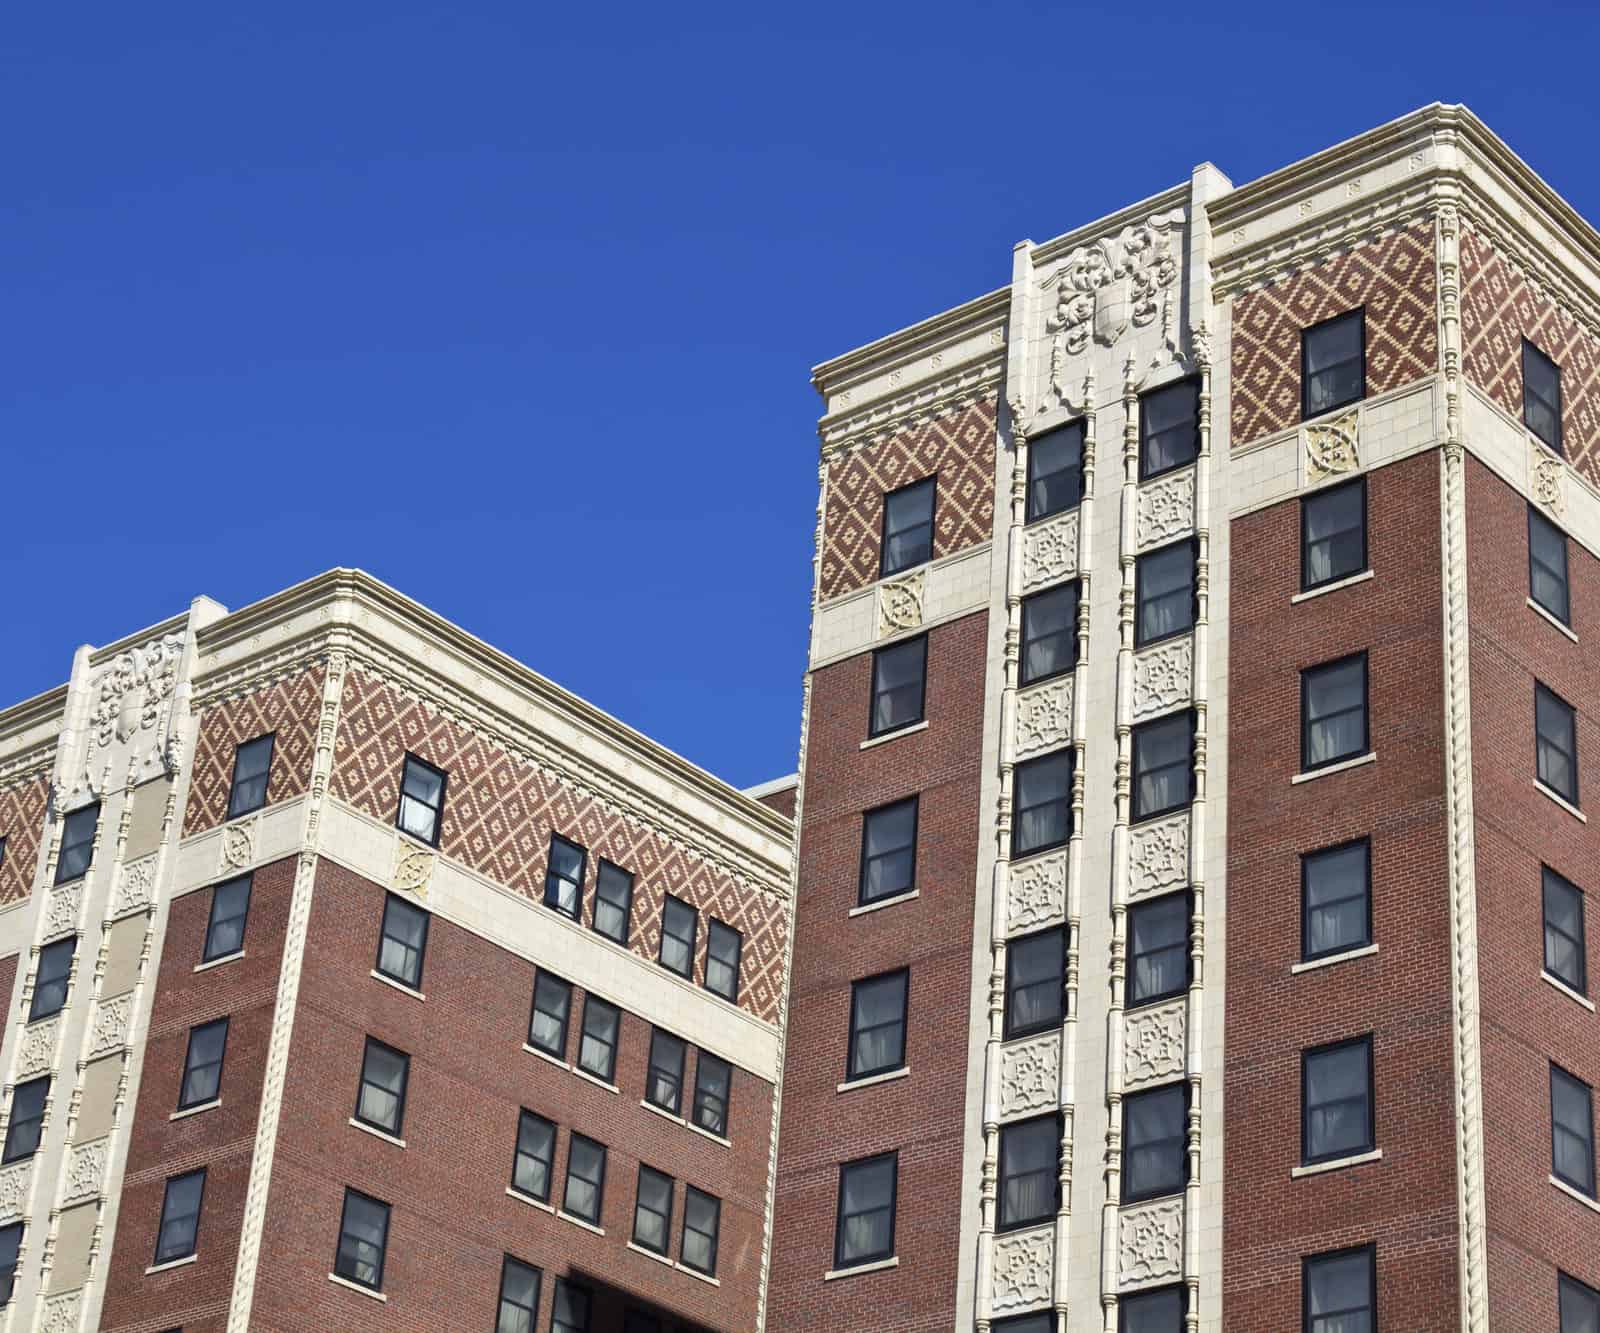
[(220, 1140), (782, 801), (22, 810), (923, 1115), (452, 1221), (959, 447), (1406, 1203), (1533, 1228), (499, 814), (8, 977), (1393, 277)]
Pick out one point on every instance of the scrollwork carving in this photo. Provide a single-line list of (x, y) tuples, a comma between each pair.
[(1547, 478), (1150, 1244), (1030, 1075), (86, 1166), (1162, 678), (130, 715), (1160, 857), (14, 1189), (137, 887), (238, 845), (1050, 551), (413, 867), (1166, 508), (1044, 717), (1024, 1265), (38, 1053), (61, 910), (900, 603), (1036, 893), (1153, 1044), (110, 1025), (1333, 446)]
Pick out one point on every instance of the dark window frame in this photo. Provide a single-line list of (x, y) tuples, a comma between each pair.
[(1130, 1195), (931, 481), (206, 954), (658, 1033), (1579, 984), (1128, 1299), (1017, 850), (1040, 515), (579, 1291), (1139, 638), (9, 1153), (395, 900), (161, 1258), (1587, 1189), (599, 1182), (602, 866), (1359, 314), (1370, 1142), (1145, 473), (11, 1239), (186, 1103), (68, 945), (1306, 673), (840, 1263), (1307, 953), (93, 811), (591, 1001), (1001, 1224), (853, 1075), (1566, 1282), (1143, 906), (702, 1059), (1558, 445), (438, 811), (566, 1016), (1075, 586), (383, 1249), (689, 1194), (1307, 1262), (694, 936), (666, 1218), (552, 898), (713, 925), (915, 802), (549, 1163), (394, 1131), (235, 810), (1135, 814), (1540, 740), (504, 1300), (1307, 583), (873, 732), (1011, 1029), (1564, 615)]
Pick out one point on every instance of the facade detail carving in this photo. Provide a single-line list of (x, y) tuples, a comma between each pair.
[(1150, 1244), (86, 1168), (61, 911), (1044, 717), (1333, 446), (1153, 1044), (61, 1313), (900, 603), (1160, 857), (1036, 894), (1024, 1264), (1547, 478), (238, 845), (1050, 551), (136, 886), (110, 1025), (1163, 678), (1166, 509), (130, 720), (14, 1190), (38, 1052), (1030, 1076), (413, 867)]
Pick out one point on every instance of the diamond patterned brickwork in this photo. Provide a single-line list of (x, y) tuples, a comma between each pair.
[(22, 809), (1499, 308), (1394, 278), (289, 709), (959, 448), (500, 811)]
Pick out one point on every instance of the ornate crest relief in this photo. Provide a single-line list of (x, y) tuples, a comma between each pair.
[(1547, 478), (1333, 446)]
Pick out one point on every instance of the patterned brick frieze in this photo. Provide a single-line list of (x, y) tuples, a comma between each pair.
[(1394, 278), (1499, 308), (289, 709), (959, 448), (500, 811), (22, 811)]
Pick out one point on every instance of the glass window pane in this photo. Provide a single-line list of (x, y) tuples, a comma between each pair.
[(1029, 1164), (571, 1313), (1579, 1306), (1158, 935), (230, 903), (1152, 1311), (1165, 584), (363, 1235), (613, 902), (1042, 814), (10, 1247), (1055, 471), (665, 1083), (865, 1231), (713, 1076), (878, 1032), (1168, 425), (1333, 533), (908, 527), (678, 922), (1049, 632), (898, 676), (402, 941), (1335, 908), (597, 1051), (1034, 969), (552, 999), (77, 843), (1153, 1138), (1162, 769), (536, 1145)]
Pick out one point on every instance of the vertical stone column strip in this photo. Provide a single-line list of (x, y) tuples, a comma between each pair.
[(1466, 1040), (255, 1204)]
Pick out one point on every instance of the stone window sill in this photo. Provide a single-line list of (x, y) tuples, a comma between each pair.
[(1343, 766), (1337, 1164), (195, 1110), (1365, 951), (397, 985), (218, 962), (834, 1274), (1579, 1195), (697, 1275), (1326, 588), (1564, 628), (885, 902), (579, 1222), (650, 1254), (368, 1292), (599, 1082), (873, 1080), (520, 1197), (377, 1133), (686, 1124), (896, 734), (1567, 990), (1562, 802), (545, 1055), (177, 1263)]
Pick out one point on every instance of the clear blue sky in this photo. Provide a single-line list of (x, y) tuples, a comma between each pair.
[(514, 305)]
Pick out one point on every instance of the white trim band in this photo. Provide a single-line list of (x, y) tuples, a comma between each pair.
[(881, 903), (1343, 766), (1565, 629), (1567, 990), (834, 1274), (872, 1080), (1338, 1164), (1562, 802), (894, 735), (1331, 587), (1365, 951)]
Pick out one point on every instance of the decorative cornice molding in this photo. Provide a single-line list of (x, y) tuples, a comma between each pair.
[(977, 382)]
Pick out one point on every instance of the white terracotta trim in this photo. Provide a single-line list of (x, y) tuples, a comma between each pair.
[(218, 962), (1365, 951), (1581, 1197), (520, 1197), (1331, 587), (1338, 1164), (179, 1263), (587, 1077), (368, 1292), (195, 1110), (579, 1222), (1562, 802), (895, 735), (547, 1057), (1343, 766), (1567, 990), (650, 1254), (1565, 629), (376, 1133), (398, 985), (697, 1274)]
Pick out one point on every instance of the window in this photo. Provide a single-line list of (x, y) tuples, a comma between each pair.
[(1333, 534), (1042, 803), (535, 1156), (613, 902), (712, 1079), (1563, 934), (723, 946), (1163, 767), (519, 1297), (664, 1084), (1049, 633), (421, 800), (10, 1248), (202, 1065), (180, 1217), (1335, 900), (652, 1210), (230, 904), (1333, 712), (1055, 471), (552, 1003), (1030, 1164), (1169, 428), (877, 1025), (1154, 1161), (1338, 1292), (1164, 591), (899, 679), (1336, 1101), (1579, 1304), (2, 850), (51, 980), (1033, 982), (571, 1312), (1333, 363), (1158, 949), (1556, 727), (597, 1047), (563, 879), (402, 942), (381, 1096), (678, 925), (363, 1240), (586, 1178), (907, 527), (888, 851), (252, 762), (1041, 1321), (864, 1232), (1571, 1131), (27, 1119), (702, 1221), (77, 843), (1541, 395), (1158, 1311), (1547, 566)]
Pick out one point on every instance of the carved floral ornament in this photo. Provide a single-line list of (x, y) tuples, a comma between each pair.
[(1160, 857), (1044, 717), (413, 867), (1030, 1076), (1050, 551), (1332, 446), (1166, 508), (1023, 1270), (900, 603), (1162, 678), (130, 716), (1154, 1045), (1547, 478), (1150, 1244), (1036, 893), (238, 845)]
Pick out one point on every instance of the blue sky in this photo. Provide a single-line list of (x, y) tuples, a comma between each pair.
[(514, 305)]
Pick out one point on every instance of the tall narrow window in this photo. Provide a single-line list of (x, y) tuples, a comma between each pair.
[(230, 905), (50, 982), (519, 1297), (1339, 1291), (1163, 765), (597, 1050), (1042, 803), (864, 1232), (1541, 395), (907, 527), (421, 800), (381, 1097), (1578, 1304), (702, 1226), (586, 1178), (1158, 949), (888, 851), (1055, 471), (180, 1217), (535, 1156), (1049, 633), (2, 850), (552, 1003), (1571, 1131), (1556, 726), (1336, 1101), (10, 1248), (202, 1064), (1030, 1165), (1333, 534), (679, 922), (664, 1083), (1547, 567), (77, 843), (563, 879), (613, 902), (724, 945), (713, 1077), (1154, 1160), (1333, 712), (1169, 428), (1335, 900), (402, 941), (1041, 1321), (1164, 592), (571, 1311), (1158, 1311), (899, 678), (1563, 933), (1034, 967), (252, 764), (652, 1210), (363, 1240), (1333, 363), (877, 1025), (27, 1119)]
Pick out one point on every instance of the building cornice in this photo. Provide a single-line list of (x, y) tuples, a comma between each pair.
[(28, 734)]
